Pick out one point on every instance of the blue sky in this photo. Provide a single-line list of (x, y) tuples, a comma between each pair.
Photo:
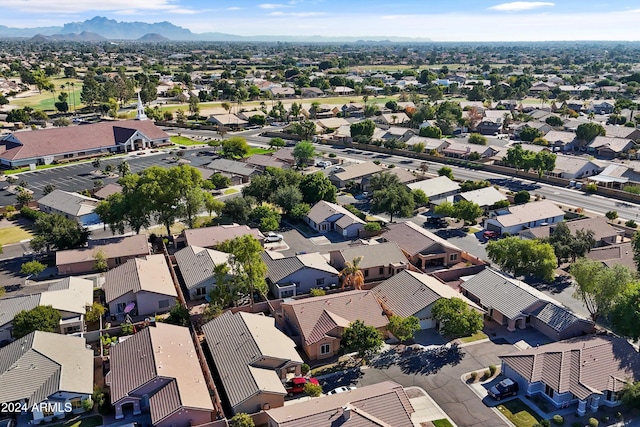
[(452, 20)]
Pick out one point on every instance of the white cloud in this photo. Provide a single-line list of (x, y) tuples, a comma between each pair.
[(517, 6), (79, 6), (273, 6), (297, 14), (234, 8)]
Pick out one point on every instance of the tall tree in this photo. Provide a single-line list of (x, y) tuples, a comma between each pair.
[(599, 286), (303, 153), (625, 314), (287, 197), (351, 274), (249, 271), (316, 187), (364, 339), (56, 232), (403, 328), (394, 201), (43, 318), (235, 147), (382, 180), (522, 257), (456, 318)]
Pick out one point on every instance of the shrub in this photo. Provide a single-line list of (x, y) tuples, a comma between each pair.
[(631, 224), (304, 369), (521, 196), (487, 374), (332, 155), (590, 188), (377, 162), (558, 420), (492, 370), (593, 422), (313, 390), (611, 215), (87, 405), (31, 214), (545, 423), (372, 226), (316, 292), (473, 375)]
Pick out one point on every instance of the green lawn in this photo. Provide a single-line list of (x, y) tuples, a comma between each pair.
[(46, 100), (93, 421), (230, 191), (258, 150), (519, 413), (183, 140), (475, 337), (13, 234), (442, 423)]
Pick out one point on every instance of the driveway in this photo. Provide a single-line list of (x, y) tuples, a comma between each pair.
[(439, 373)]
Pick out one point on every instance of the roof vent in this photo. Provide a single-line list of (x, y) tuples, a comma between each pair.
[(346, 412)]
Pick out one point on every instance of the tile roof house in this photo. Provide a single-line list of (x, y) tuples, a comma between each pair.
[(252, 359), (197, 268), (239, 172), (517, 305), (517, 218), (379, 261), (574, 167), (603, 233), (45, 368), (116, 250), (396, 118), (317, 323), (263, 161), (409, 293), (71, 296), (354, 173), (147, 282), (71, 205), (560, 139), (610, 147), (326, 216), (620, 254), (483, 197), (285, 155), (382, 404), (107, 191), (588, 371), (43, 146), (210, 237), (230, 120), (436, 188), (423, 248), (298, 274), (156, 370)]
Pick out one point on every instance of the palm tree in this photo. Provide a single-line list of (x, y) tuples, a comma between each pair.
[(73, 94), (351, 275)]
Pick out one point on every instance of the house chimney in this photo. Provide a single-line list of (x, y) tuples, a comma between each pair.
[(346, 412)]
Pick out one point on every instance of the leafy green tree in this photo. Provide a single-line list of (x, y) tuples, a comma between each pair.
[(241, 420), (287, 197), (239, 208), (529, 134), (476, 138), (611, 215), (24, 197), (456, 318), (316, 187), (235, 147), (299, 211), (363, 130), (419, 197), (636, 249), (317, 292), (430, 132), (276, 142), (467, 211), (446, 171), (267, 217), (303, 153), (211, 204), (403, 328), (598, 286), (630, 394), (94, 313), (521, 197), (554, 121), (124, 168), (179, 315), (625, 314), (382, 180), (43, 318), (249, 271), (54, 231), (396, 201), (313, 390), (544, 161), (588, 131), (364, 339), (522, 257), (32, 268), (100, 259), (220, 181), (193, 201)]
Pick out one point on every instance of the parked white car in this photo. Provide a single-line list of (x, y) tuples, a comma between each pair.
[(342, 389), (272, 237), (324, 164)]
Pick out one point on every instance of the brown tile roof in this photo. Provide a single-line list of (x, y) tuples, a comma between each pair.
[(211, 236), (150, 274), (323, 210), (382, 404), (122, 246), (264, 161), (601, 228), (107, 190), (317, 316), (161, 351), (376, 255), (414, 239), (53, 141), (614, 255), (582, 366)]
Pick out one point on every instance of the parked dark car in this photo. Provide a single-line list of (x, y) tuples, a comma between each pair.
[(436, 221), (504, 388)]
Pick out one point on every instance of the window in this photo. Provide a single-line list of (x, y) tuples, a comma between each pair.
[(120, 307), (118, 260), (453, 257), (319, 282), (366, 273), (325, 349), (548, 391), (163, 304), (76, 403), (201, 291), (381, 270)]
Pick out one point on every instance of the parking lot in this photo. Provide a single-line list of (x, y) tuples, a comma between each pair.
[(79, 177)]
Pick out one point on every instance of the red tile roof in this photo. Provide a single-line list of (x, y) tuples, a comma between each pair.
[(54, 141)]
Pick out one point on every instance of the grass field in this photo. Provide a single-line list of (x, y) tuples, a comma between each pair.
[(46, 100), (93, 421), (230, 191), (442, 423), (14, 234), (475, 337), (519, 413), (258, 150), (183, 140)]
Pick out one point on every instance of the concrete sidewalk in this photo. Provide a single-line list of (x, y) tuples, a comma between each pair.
[(426, 409)]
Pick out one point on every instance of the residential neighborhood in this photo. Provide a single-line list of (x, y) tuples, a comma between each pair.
[(275, 233)]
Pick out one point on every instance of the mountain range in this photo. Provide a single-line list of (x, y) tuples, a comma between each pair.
[(100, 29)]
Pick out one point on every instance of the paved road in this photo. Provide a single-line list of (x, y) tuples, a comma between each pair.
[(442, 381)]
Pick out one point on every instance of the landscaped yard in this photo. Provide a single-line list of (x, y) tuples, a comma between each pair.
[(258, 150), (475, 337), (183, 140), (93, 421), (13, 234), (442, 423), (519, 413)]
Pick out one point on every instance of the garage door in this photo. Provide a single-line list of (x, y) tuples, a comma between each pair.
[(426, 323)]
